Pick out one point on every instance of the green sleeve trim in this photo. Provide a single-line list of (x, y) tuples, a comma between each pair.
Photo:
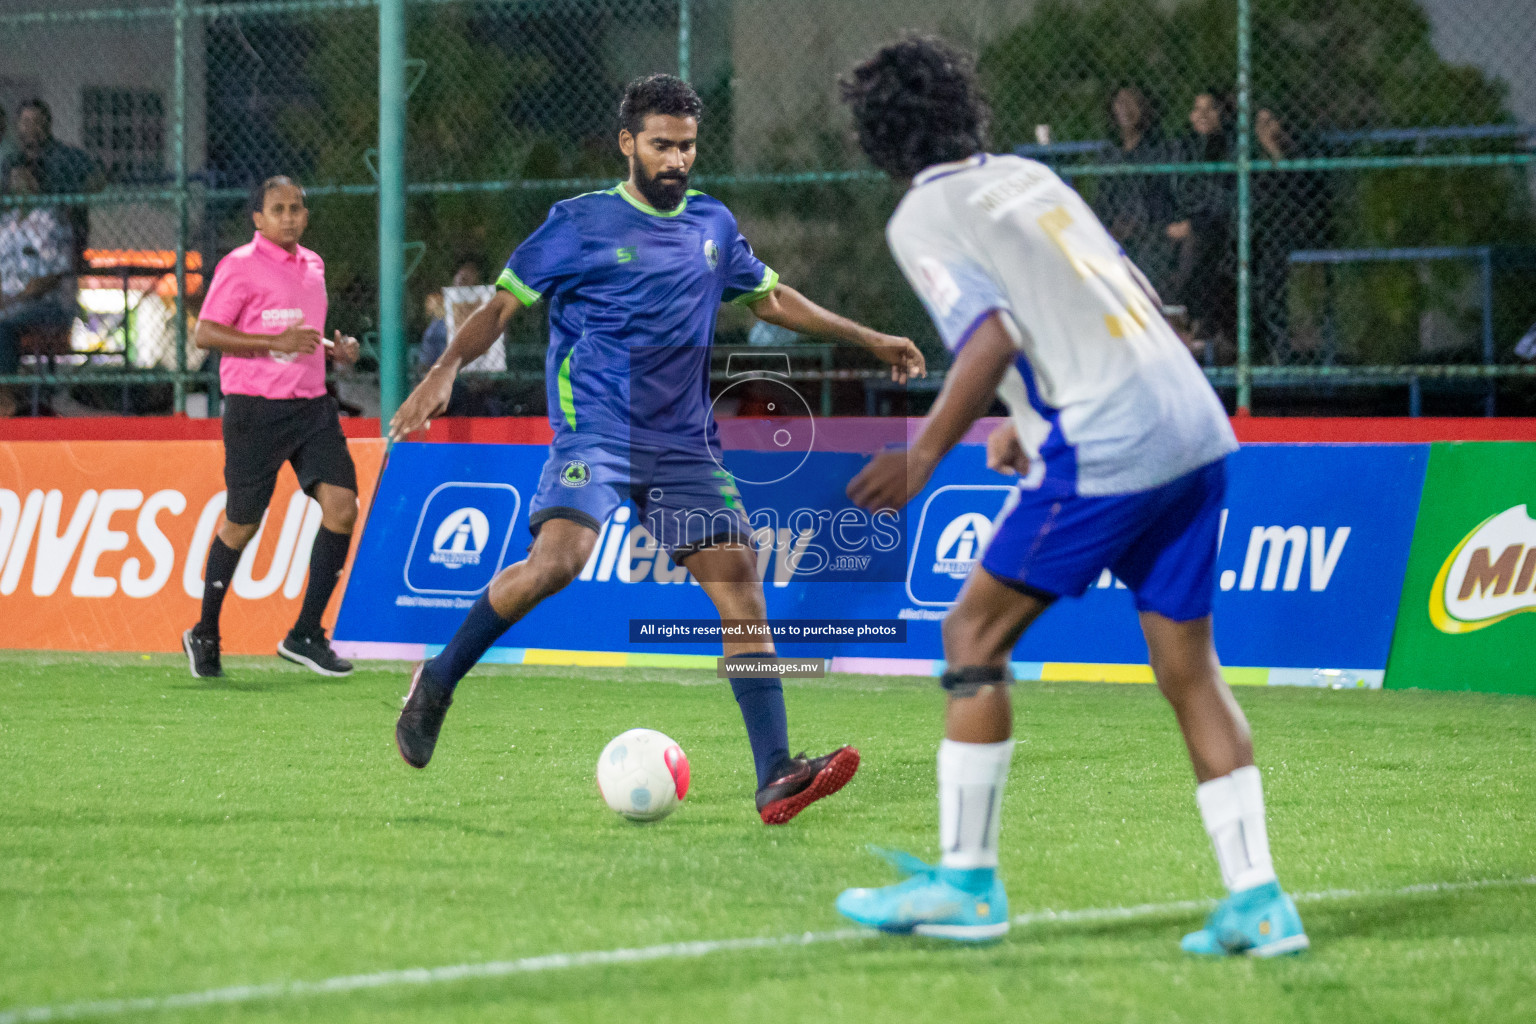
[(567, 397), (509, 281), (762, 291)]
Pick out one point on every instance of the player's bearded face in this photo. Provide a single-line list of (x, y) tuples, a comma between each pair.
[(662, 159), (665, 189)]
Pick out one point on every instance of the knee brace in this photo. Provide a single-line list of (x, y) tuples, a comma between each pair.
[(968, 681)]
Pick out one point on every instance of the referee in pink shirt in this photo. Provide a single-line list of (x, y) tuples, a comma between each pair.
[(265, 312)]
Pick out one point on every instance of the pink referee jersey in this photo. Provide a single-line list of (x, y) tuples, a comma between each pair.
[(260, 288)]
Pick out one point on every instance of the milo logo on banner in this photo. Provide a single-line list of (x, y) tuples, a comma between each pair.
[(1489, 575), (1471, 572)]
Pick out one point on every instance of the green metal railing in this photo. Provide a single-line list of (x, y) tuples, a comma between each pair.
[(809, 176)]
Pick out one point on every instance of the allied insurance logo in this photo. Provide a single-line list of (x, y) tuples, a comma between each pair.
[(1489, 576), (461, 538), (953, 531), (961, 544)]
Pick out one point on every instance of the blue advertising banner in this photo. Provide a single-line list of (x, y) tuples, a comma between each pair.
[(1315, 541)]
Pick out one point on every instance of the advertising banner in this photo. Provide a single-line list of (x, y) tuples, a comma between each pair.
[(1314, 546), (1472, 574), (102, 545)]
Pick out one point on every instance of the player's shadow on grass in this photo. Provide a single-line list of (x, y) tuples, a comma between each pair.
[(439, 825), (1491, 911), (232, 685), (266, 683)]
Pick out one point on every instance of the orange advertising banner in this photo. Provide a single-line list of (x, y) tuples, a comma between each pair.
[(102, 546)]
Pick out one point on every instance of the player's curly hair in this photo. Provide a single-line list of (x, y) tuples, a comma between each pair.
[(657, 94), (917, 103)]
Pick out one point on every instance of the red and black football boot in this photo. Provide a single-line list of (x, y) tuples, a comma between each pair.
[(801, 781)]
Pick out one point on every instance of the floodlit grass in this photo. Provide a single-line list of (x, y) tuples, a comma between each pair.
[(163, 835)]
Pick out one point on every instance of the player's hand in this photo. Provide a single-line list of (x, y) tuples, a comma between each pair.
[(905, 359), (1004, 452), (889, 481), (344, 348), (297, 340), (429, 399)]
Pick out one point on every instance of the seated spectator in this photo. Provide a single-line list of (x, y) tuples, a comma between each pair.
[(1137, 208), (59, 169), (1205, 278), (37, 283)]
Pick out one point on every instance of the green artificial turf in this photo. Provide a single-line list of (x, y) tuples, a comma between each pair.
[(163, 835)]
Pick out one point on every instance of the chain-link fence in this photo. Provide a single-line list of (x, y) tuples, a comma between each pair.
[(1337, 193)]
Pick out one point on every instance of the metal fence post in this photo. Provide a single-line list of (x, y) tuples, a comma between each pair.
[(1244, 208), (183, 219), (684, 40), (391, 209)]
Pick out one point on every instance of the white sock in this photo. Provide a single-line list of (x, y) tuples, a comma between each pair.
[(1232, 808), (971, 777)]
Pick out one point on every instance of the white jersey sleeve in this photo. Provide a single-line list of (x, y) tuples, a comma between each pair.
[(1105, 395)]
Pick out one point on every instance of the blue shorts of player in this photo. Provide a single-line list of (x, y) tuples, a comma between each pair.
[(686, 499), (1160, 543)]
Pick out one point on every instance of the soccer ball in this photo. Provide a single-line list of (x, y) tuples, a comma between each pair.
[(643, 775)]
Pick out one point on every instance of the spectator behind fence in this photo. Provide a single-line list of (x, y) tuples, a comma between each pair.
[(60, 169), (37, 284), (1137, 208), (1292, 210), (435, 338), (464, 399), (1204, 278)]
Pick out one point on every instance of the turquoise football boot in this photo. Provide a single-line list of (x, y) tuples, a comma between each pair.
[(1261, 921), (967, 906)]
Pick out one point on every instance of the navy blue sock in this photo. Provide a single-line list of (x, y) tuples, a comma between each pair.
[(481, 628), (761, 699)]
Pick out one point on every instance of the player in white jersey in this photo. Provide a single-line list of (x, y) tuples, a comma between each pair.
[(1121, 445)]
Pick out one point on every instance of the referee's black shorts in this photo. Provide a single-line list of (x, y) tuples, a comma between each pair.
[(260, 434)]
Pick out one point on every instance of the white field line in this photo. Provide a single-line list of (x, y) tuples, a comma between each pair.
[(642, 954)]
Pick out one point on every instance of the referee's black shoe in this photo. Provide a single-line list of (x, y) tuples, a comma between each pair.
[(421, 719), (202, 654), (313, 651)]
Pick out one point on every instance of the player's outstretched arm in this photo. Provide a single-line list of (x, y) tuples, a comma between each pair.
[(893, 478), (789, 309), (470, 342)]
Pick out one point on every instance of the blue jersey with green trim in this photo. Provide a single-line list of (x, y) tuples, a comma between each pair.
[(633, 296)]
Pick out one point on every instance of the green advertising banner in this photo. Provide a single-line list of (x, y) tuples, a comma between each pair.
[(1471, 574)]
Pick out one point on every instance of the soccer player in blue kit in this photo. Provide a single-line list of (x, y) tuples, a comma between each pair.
[(1121, 445), (634, 277)]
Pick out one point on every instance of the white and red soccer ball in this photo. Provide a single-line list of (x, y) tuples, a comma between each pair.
[(643, 775)]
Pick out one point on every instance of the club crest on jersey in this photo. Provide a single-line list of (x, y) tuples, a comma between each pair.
[(576, 474), (711, 253)]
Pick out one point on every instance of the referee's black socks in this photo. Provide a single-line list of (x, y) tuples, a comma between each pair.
[(326, 560), (220, 570)]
